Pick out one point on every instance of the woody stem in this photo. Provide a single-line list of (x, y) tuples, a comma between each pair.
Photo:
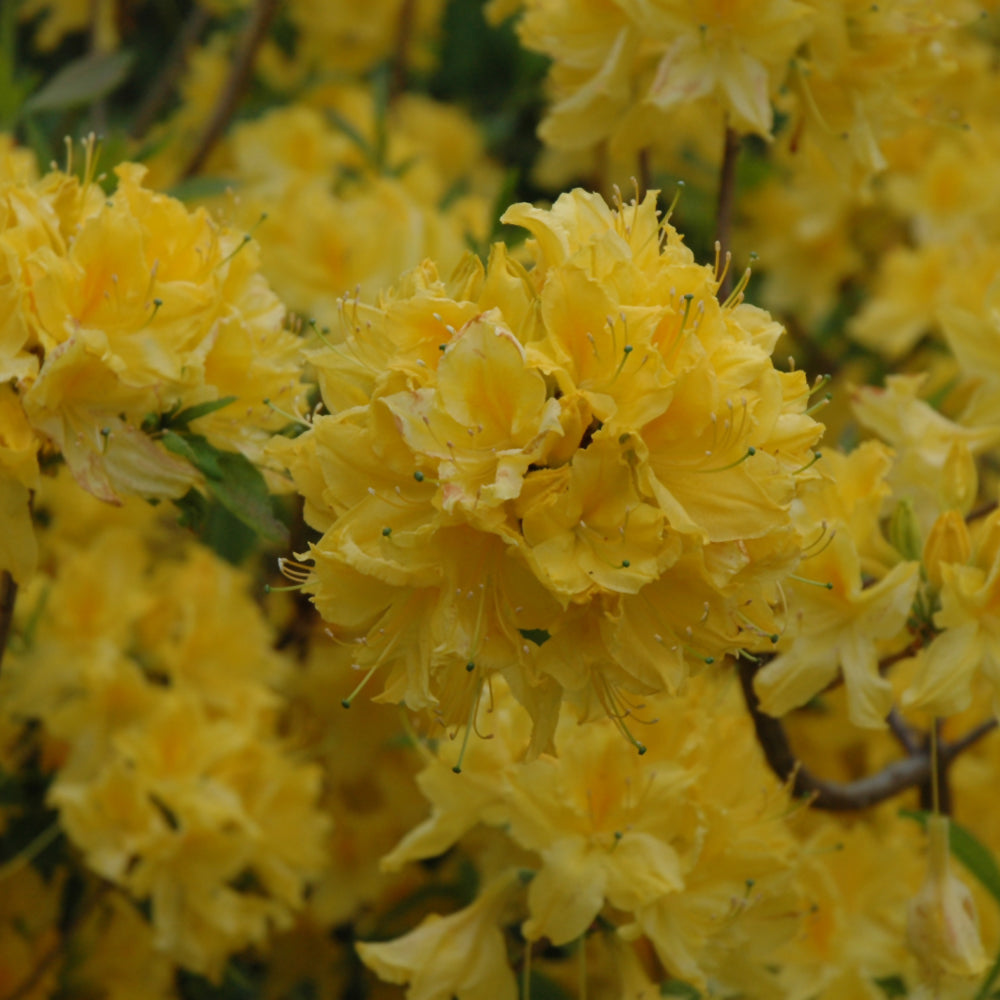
[(842, 796)]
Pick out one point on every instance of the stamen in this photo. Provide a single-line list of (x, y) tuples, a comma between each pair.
[(736, 295), (749, 453), (295, 571), (291, 417), (828, 585), (469, 726), (816, 457), (819, 404)]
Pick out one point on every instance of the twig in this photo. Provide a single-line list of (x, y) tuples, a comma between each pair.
[(838, 796), (908, 737), (645, 172), (724, 205), (8, 596), (174, 65), (239, 76), (401, 54)]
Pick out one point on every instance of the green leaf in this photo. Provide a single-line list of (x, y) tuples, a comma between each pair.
[(196, 450), (182, 419), (892, 986), (678, 988), (83, 81), (201, 188), (973, 854), (541, 987), (243, 492), (535, 635), (234, 481)]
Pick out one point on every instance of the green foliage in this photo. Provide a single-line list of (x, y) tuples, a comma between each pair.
[(678, 988), (83, 81), (892, 986), (233, 481)]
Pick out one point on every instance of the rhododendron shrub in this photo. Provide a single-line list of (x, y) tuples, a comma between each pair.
[(428, 572)]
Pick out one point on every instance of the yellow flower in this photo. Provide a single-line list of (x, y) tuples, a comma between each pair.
[(618, 67), (462, 955), (136, 307), (661, 845), (934, 463), (970, 640), (514, 459), (347, 213), (160, 691), (18, 477), (838, 618)]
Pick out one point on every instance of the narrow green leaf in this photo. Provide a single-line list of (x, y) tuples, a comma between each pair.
[(970, 851), (200, 188), (83, 81), (338, 121), (185, 416), (196, 450)]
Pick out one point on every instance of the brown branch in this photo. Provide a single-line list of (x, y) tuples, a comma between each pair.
[(838, 796), (401, 54), (239, 76), (724, 205), (174, 65), (8, 596), (645, 172)]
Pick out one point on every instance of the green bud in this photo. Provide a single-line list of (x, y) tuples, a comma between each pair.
[(904, 531)]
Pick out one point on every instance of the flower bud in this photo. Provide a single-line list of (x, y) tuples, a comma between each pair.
[(904, 531), (959, 479), (948, 542), (942, 925)]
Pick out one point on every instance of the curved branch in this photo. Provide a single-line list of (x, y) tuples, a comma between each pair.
[(239, 76), (842, 796)]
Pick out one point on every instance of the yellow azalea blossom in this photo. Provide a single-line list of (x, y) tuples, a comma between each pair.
[(515, 458), (837, 618), (18, 477), (155, 697), (623, 67), (970, 640), (320, 239), (662, 845), (60, 18), (462, 955), (934, 457), (118, 309), (865, 72)]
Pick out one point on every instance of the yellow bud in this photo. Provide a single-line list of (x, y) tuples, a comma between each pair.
[(904, 531), (988, 541), (959, 479), (942, 925), (948, 542)]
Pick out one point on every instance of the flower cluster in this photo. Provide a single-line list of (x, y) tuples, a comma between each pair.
[(150, 694), (577, 475), (117, 310)]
